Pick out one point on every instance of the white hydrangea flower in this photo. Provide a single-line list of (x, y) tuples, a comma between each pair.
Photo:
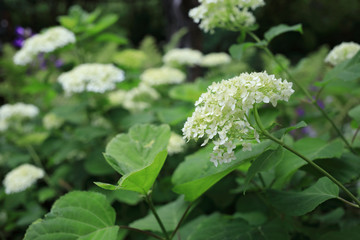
[(163, 75), (342, 52), (117, 97), (228, 14), (17, 111), (182, 56), (22, 178), (91, 77), (140, 98), (52, 121), (176, 144), (221, 113), (215, 59), (48, 41)]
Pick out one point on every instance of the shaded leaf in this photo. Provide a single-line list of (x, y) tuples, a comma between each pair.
[(265, 161), (169, 214), (300, 203), (312, 148), (354, 113)]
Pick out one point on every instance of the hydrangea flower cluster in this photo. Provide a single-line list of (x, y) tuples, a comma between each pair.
[(48, 41), (176, 144), (91, 77), (52, 121), (228, 14), (22, 178), (117, 97), (163, 75), (182, 56), (140, 98), (222, 112), (17, 111), (342, 52), (215, 59)]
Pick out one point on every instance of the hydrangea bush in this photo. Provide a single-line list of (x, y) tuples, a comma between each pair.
[(117, 143)]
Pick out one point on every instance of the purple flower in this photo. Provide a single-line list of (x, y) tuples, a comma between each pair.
[(20, 31), (309, 131), (58, 63), (18, 42), (321, 104), (300, 112)]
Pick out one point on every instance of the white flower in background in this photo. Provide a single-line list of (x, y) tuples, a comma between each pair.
[(91, 77), (163, 75), (117, 97), (342, 52), (17, 112), (22, 178), (140, 98), (48, 41), (221, 113), (176, 144), (228, 14), (52, 121), (215, 59), (182, 56)]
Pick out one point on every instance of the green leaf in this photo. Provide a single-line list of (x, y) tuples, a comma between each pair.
[(280, 29), (76, 215), (90, 133), (354, 113), (74, 113), (68, 22), (169, 214), (217, 227), (312, 148), (342, 78), (35, 138), (265, 161), (102, 24), (139, 156), (237, 50), (175, 114), (189, 92), (197, 173), (300, 203), (111, 37)]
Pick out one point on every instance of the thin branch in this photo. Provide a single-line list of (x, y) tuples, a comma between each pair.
[(181, 220), (141, 231)]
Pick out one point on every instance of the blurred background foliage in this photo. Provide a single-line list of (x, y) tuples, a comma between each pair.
[(324, 21)]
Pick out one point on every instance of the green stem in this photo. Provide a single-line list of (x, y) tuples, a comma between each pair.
[(305, 91), (181, 220), (152, 208), (314, 165), (37, 162), (141, 231)]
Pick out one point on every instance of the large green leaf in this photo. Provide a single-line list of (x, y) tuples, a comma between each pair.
[(222, 227), (265, 161), (170, 214), (312, 148), (300, 203), (138, 156), (354, 113), (280, 29), (77, 215), (197, 173)]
